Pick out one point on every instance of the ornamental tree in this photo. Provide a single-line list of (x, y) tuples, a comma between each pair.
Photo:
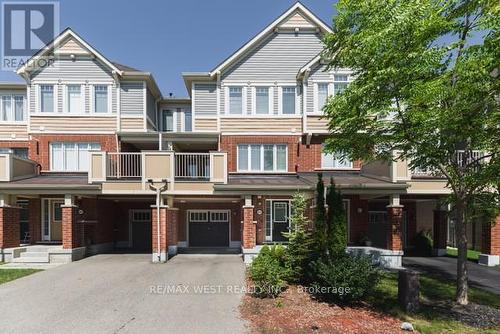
[(425, 88)]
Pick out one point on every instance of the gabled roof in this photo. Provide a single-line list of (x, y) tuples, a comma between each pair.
[(298, 10), (63, 36)]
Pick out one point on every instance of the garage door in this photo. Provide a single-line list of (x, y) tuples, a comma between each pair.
[(208, 228), (141, 230)]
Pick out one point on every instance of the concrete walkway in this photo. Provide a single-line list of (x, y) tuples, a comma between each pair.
[(126, 293), (487, 278)]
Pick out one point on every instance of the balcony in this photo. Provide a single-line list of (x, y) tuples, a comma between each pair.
[(125, 172), (14, 168)]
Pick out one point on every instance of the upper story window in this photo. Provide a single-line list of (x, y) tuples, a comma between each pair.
[(322, 95), (288, 100), (262, 158), (12, 108), (236, 100), (47, 98), (262, 100), (74, 99), (168, 119), (101, 99), (71, 156), (188, 121), (340, 82), (333, 161)]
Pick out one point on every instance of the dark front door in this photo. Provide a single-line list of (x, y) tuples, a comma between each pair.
[(212, 231), (141, 231), (280, 220)]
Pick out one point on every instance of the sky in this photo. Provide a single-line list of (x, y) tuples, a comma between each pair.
[(169, 37)]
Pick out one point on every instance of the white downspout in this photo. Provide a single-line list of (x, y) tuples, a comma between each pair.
[(158, 193)]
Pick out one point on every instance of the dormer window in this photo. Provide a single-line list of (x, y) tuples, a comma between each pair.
[(47, 98), (74, 99), (235, 100)]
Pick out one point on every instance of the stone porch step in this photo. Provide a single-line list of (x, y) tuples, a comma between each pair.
[(27, 259), (35, 254)]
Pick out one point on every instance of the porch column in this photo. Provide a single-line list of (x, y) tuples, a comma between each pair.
[(490, 250), (249, 228), (10, 227), (395, 223), (35, 220), (173, 221), (70, 232), (440, 225), (159, 249)]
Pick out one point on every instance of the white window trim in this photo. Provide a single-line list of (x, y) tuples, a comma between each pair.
[(280, 100), (335, 162), (12, 96), (51, 158), (270, 99), (227, 110), (261, 170), (92, 99), (54, 97), (271, 206), (183, 120), (174, 119), (65, 108)]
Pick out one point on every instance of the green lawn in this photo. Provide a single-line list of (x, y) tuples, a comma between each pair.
[(427, 321), (7, 275), (472, 255)]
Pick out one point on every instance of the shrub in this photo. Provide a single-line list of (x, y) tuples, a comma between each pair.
[(343, 278), (423, 243), (299, 248), (269, 272), (336, 220)]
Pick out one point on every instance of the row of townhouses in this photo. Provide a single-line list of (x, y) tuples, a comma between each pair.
[(86, 142)]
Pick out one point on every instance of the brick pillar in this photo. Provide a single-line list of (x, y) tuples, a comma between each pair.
[(249, 238), (35, 220), (159, 255), (172, 228), (394, 231), (440, 225), (70, 231), (490, 247), (10, 227)]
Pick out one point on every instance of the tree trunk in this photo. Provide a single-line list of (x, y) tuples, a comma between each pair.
[(461, 236)]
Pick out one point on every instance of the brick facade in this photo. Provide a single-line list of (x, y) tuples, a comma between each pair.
[(10, 227), (491, 238), (301, 157), (394, 232), (39, 146), (249, 228), (172, 226), (70, 229), (163, 229)]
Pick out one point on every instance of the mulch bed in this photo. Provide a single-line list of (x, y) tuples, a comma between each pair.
[(474, 315), (295, 311)]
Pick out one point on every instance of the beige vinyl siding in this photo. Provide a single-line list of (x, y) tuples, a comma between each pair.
[(132, 98), (205, 99), (59, 107), (83, 68), (296, 20), (132, 124), (71, 46), (316, 124), (253, 124), (72, 124), (205, 124), (20, 131), (277, 58)]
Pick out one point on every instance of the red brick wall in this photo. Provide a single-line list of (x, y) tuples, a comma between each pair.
[(304, 158), (395, 218), (248, 228), (163, 229), (14, 144), (10, 227), (491, 238), (172, 226), (70, 230), (39, 149)]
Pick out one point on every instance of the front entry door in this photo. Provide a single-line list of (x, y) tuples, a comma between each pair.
[(52, 219), (281, 223)]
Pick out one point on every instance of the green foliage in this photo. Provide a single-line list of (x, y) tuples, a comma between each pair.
[(425, 86), (343, 278), (319, 234), (269, 272), (299, 248), (423, 243), (336, 221)]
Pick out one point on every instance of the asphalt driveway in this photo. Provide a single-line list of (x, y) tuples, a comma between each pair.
[(126, 293), (487, 278)]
